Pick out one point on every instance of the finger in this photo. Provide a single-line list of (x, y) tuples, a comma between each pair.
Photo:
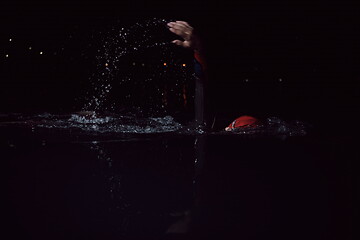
[(180, 24), (185, 24), (180, 27), (184, 27), (184, 44), (183, 31), (179, 43), (171, 24)]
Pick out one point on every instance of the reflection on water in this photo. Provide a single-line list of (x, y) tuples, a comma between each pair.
[(136, 187), (145, 186), (148, 184)]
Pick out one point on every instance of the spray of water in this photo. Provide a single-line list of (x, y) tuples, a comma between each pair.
[(137, 67)]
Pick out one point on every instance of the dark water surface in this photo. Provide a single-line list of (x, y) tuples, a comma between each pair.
[(117, 177)]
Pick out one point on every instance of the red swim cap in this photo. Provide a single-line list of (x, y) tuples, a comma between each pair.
[(241, 122)]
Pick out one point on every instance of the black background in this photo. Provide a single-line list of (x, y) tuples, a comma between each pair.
[(311, 46)]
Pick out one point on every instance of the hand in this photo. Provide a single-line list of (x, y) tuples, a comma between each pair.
[(184, 30)]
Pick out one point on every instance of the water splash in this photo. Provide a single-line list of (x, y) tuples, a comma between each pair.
[(112, 124), (130, 69)]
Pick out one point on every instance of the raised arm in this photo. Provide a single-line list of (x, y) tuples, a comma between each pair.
[(192, 40)]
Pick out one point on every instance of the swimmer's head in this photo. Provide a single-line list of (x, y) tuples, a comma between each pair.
[(242, 122)]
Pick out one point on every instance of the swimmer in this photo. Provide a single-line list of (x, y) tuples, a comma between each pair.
[(242, 122), (192, 40)]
